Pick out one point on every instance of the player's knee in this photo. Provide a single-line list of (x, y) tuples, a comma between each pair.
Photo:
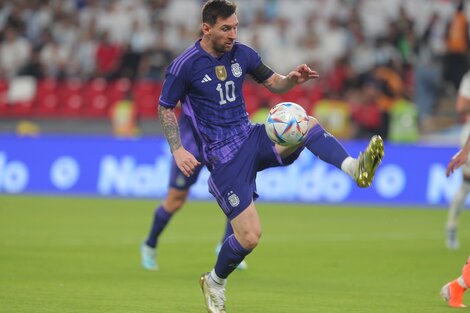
[(172, 205), (250, 240)]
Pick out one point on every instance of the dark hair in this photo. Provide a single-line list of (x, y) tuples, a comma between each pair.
[(214, 9)]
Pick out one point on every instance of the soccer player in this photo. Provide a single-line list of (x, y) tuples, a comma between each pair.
[(458, 202), (177, 194), (208, 79), (453, 291)]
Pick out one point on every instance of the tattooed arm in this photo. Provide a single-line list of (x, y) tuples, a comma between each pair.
[(170, 127), (185, 161)]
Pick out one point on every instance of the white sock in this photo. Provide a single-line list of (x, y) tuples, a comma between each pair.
[(349, 166), (215, 281), (461, 282)]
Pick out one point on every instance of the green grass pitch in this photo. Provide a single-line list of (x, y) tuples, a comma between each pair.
[(82, 255)]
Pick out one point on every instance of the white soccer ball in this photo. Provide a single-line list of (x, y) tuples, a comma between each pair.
[(287, 124)]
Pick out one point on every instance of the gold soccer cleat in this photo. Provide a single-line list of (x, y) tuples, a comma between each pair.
[(368, 162), (214, 297)]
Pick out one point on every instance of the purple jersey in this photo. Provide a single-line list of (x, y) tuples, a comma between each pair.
[(210, 91)]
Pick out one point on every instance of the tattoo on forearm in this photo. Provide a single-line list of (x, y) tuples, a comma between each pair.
[(170, 127)]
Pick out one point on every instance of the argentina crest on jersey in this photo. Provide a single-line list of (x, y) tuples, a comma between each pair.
[(221, 72), (233, 199), (236, 70)]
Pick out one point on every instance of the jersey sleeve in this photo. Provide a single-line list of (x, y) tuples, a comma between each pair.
[(174, 89), (464, 89), (256, 68)]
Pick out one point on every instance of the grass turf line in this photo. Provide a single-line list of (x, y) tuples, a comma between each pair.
[(82, 255)]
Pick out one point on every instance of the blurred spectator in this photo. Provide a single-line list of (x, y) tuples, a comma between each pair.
[(128, 64), (157, 57), (334, 115), (124, 118), (429, 50), (37, 17), (456, 61), (65, 30), (367, 115), (53, 57), (34, 67), (14, 53), (403, 122), (15, 19), (83, 58), (108, 56)]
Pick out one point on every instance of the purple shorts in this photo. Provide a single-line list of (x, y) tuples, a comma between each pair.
[(177, 178), (233, 184)]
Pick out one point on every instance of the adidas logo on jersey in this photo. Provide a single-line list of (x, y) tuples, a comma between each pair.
[(206, 79)]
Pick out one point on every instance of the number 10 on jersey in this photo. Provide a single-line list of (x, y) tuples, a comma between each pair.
[(226, 92)]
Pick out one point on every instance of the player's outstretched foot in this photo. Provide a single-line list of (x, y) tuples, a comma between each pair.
[(149, 257), (214, 297), (242, 266), (452, 293), (368, 162)]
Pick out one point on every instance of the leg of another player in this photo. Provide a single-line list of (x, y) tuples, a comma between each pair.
[(453, 292), (174, 200), (455, 209), (247, 232)]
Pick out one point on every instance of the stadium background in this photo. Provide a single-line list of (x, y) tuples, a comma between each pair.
[(96, 68)]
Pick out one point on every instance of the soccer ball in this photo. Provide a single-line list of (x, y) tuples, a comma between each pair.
[(287, 124)]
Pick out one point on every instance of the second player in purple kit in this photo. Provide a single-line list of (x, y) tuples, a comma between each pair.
[(178, 191)]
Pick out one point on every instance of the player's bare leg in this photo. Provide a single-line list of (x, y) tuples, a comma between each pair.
[(455, 208)]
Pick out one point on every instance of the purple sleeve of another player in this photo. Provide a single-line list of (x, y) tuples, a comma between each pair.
[(174, 89)]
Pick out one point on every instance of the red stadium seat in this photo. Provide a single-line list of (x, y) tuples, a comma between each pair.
[(146, 96), (71, 98), (118, 90), (21, 93), (47, 99), (22, 108), (97, 101), (4, 107)]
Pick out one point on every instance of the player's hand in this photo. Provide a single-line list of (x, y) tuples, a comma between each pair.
[(457, 161), (185, 161), (301, 74)]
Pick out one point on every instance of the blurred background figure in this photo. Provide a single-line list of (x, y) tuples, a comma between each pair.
[(458, 201), (457, 43)]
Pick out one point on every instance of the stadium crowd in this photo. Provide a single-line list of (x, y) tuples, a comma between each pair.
[(382, 63)]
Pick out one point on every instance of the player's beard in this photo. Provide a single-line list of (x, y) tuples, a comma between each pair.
[(222, 48)]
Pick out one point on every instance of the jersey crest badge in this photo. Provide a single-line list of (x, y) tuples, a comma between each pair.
[(236, 70), (180, 180), (221, 72), (233, 199)]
